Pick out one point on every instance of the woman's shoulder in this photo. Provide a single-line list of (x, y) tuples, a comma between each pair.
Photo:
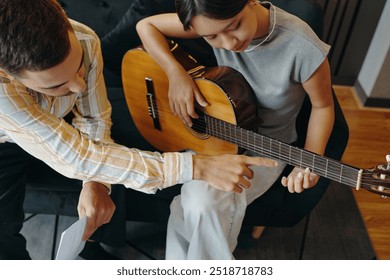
[(298, 32), (293, 24)]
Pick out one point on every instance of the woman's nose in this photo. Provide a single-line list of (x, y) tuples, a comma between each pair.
[(229, 43)]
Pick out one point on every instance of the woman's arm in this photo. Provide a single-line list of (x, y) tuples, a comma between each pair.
[(182, 89), (320, 126)]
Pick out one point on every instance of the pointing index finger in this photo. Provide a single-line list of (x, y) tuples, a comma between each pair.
[(259, 161)]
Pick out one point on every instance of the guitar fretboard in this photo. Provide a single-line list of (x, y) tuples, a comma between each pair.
[(269, 147)]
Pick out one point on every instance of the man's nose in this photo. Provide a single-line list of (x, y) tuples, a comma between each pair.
[(78, 85)]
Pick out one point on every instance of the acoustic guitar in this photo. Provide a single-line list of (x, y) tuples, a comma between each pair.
[(226, 124)]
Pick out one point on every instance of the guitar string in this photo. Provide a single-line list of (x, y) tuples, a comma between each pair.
[(349, 177), (275, 156), (334, 174), (264, 151), (353, 171), (228, 132), (243, 143)]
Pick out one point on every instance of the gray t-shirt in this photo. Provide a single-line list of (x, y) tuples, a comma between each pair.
[(276, 70)]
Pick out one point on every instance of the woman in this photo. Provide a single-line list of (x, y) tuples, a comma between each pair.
[(283, 60)]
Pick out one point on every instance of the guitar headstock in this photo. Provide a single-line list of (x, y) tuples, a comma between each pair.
[(377, 180)]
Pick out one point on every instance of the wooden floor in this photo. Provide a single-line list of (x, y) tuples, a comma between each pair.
[(369, 143)]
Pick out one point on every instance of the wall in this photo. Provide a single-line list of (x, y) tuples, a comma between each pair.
[(373, 83), (349, 26)]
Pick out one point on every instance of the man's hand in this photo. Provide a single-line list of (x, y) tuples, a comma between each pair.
[(97, 205), (299, 180), (228, 172)]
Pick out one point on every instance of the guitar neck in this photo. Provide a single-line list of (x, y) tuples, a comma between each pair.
[(269, 147)]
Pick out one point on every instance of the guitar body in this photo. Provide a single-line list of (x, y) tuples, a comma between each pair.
[(229, 96)]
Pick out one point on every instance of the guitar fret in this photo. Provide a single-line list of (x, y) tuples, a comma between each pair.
[(218, 128), (267, 143), (262, 144), (313, 163), (270, 148), (247, 137), (214, 125), (209, 123), (300, 164), (235, 134), (241, 135), (326, 168)]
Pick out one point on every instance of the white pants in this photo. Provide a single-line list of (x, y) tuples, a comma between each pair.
[(205, 222)]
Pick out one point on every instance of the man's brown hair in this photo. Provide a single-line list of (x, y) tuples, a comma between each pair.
[(33, 35)]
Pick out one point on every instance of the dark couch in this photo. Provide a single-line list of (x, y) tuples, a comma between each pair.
[(114, 21)]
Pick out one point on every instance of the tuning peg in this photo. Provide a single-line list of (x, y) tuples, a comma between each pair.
[(382, 176), (388, 161)]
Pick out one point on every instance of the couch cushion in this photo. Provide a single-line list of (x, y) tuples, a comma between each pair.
[(100, 15)]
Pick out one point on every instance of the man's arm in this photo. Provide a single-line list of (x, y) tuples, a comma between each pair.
[(93, 117)]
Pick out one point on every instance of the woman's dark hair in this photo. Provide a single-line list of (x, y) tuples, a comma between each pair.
[(213, 9), (33, 35)]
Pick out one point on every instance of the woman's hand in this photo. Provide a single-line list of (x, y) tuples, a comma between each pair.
[(299, 180), (181, 94)]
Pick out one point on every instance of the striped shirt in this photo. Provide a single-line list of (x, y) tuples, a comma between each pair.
[(83, 150)]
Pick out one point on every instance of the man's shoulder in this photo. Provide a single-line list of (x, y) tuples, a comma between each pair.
[(3, 78), (82, 31)]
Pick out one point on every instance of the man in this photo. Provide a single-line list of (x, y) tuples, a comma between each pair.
[(51, 70)]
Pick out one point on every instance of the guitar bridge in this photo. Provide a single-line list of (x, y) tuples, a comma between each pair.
[(152, 105)]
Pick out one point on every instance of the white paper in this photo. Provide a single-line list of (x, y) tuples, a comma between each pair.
[(71, 242)]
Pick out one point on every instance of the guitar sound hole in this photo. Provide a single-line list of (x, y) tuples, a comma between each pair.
[(199, 125)]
